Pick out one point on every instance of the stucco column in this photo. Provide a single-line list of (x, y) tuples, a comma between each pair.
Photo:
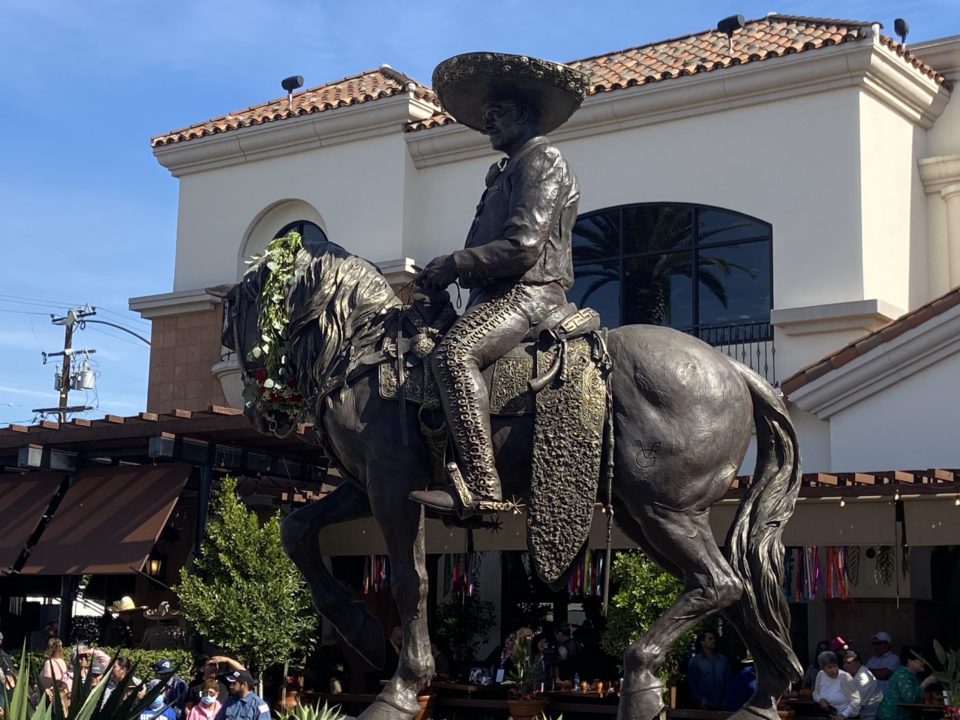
[(951, 196)]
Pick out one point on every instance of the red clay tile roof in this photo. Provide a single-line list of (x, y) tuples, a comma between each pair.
[(861, 346), (370, 85), (769, 37)]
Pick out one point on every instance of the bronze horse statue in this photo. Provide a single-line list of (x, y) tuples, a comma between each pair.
[(667, 388)]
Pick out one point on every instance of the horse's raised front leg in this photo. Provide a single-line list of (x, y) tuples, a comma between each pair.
[(709, 586), (403, 529), (299, 533)]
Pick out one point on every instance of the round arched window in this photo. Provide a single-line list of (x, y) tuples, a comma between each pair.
[(308, 231)]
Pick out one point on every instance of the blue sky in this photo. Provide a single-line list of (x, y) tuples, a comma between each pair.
[(87, 215)]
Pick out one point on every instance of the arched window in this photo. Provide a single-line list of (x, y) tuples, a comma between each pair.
[(703, 270), (308, 230)]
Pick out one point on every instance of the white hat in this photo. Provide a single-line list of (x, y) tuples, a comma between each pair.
[(124, 604)]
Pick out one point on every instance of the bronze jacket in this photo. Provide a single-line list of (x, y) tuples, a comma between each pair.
[(522, 228)]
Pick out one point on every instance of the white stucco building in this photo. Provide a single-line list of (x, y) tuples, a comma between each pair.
[(812, 166)]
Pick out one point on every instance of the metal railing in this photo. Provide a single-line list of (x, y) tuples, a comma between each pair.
[(750, 343)]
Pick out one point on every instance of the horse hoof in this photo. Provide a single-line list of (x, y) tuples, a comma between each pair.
[(381, 710), (643, 704)]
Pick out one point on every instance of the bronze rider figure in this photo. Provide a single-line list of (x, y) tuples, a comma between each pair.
[(517, 260)]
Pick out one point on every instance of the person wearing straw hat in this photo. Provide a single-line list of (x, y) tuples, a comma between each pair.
[(517, 258), (166, 634), (117, 632)]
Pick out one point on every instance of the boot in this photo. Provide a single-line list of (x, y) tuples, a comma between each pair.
[(458, 498)]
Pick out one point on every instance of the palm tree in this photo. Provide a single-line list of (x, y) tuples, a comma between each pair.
[(644, 295)]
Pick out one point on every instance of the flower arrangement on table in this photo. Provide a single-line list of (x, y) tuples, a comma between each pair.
[(272, 389), (526, 675)]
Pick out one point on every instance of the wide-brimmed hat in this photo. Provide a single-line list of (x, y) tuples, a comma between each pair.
[(161, 612), (464, 83), (125, 604)]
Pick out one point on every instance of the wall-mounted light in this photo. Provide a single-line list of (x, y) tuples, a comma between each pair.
[(843, 502), (154, 564)]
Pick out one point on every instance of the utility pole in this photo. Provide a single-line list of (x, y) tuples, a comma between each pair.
[(72, 317)]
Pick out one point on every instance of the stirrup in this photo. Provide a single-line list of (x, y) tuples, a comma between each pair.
[(469, 504)]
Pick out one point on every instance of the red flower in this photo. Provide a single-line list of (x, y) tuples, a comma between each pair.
[(260, 375)]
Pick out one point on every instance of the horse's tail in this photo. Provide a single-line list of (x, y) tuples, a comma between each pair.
[(754, 542)]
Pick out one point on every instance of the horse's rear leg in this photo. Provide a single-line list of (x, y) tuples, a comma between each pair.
[(331, 598), (709, 586)]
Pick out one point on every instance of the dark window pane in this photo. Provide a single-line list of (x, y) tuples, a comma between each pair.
[(597, 285), (735, 284), (596, 237), (658, 289), (657, 228), (717, 226), (309, 232)]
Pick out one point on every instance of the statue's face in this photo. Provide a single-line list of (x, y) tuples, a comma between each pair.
[(505, 123)]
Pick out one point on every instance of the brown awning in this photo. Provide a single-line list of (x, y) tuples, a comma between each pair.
[(23, 501), (109, 520)]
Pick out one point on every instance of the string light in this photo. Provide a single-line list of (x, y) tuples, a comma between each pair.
[(957, 501), (896, 495), (843, 502)]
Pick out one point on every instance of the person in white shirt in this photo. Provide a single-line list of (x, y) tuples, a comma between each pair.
[(870, 692), (834, 689), (883, 661)]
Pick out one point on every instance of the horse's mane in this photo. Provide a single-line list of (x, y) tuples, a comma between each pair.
[(338, 304)]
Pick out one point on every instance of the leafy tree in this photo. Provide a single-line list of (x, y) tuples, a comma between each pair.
[(243, 593), (465, 620), (645, 591)]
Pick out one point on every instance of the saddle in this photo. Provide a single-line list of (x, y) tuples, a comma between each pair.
[(557, 374)]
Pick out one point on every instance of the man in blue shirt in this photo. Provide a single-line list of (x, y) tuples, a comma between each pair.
[(175, 696), (243, 703), (708, 675)]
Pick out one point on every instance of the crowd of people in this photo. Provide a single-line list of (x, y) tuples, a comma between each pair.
[(839, 680), (225, 689)]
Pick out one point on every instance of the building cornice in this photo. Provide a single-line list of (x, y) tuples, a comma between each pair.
[(868, 65), (859, 315), (943, 55), (936, 173), (179, 302), (294, 135), (881, 367)]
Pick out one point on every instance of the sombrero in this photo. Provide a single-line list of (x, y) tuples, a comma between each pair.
[(161, 612), (464, 83)]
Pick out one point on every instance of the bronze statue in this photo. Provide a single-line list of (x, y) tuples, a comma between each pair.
[(517, 260), (678, 416)]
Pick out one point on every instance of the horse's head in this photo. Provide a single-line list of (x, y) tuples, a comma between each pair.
[(241, 333)]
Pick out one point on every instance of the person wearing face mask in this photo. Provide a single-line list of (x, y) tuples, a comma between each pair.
[(158, 709), (208, 704)]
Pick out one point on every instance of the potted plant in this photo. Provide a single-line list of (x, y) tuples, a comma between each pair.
[(524, 698), (948, 675)]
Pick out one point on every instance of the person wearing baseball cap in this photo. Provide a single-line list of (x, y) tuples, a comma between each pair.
[(243, 703), (884, 661), (175, 695)]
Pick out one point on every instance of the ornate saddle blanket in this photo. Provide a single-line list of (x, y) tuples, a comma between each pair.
[(560, 378)]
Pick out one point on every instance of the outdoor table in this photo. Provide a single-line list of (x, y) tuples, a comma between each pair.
[(571, 702), (929, 711)]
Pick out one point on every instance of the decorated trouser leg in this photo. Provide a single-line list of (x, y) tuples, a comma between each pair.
[(485, 332)]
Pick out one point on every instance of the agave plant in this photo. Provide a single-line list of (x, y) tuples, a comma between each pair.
[(315, 712), (86, 699)]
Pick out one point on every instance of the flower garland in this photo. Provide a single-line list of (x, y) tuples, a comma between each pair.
[(273, 387)]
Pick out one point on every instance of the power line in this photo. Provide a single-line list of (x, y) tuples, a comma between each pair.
[(129, 316)]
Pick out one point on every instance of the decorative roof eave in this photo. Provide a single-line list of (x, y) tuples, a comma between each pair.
[(293, 135), (866, 64), (893, 355)]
